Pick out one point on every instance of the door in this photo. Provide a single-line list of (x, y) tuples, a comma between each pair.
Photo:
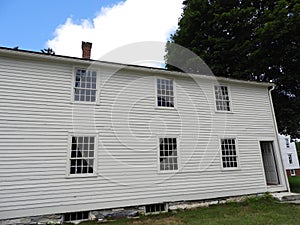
[(269, 162)]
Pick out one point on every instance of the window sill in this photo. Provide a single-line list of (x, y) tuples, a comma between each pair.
[(223, 112), (165, 108), (85, 103), (167, 171), (72, 176), (230, 169)]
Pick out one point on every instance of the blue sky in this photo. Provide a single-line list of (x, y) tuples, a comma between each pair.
[(30, 23), (109, 24)]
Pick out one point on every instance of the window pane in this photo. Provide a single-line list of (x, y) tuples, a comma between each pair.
[(91, 147), (73, 154), (91, 153), (88, 98)]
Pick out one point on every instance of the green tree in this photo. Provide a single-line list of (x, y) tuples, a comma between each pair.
[(298, 148), (246, 39), (48, 51)]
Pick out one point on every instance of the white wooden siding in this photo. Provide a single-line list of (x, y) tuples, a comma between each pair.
[(37, 114), (286, 151)]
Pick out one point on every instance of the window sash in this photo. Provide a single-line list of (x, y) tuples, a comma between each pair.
[(168, 155), (222, 98), (292, 172), (82, 155), (290, 157), (85, 85), (229, 153), (287, 143), (165, 92)]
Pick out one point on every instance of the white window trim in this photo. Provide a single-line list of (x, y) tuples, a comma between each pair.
[(158, 155), (76, 221), (290, 154), (229, 95), (174, 91), (96, 102), (95, 168), (292, 172), (237, 154), (287, 143)]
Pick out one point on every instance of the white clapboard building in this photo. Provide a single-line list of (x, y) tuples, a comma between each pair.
[(78, 135), (289, 155)]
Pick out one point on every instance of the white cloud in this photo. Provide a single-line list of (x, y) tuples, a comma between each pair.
[(122, 24)]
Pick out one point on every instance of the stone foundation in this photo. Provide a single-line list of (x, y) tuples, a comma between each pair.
[(44, 219), (104, 215), (129, 212), (297, 172), (174, 206)]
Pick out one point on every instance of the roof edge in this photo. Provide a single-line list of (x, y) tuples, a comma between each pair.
[(88, 62)]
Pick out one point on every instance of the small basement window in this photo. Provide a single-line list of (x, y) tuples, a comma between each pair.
[(156, 208), (293, 173), (76, 216)]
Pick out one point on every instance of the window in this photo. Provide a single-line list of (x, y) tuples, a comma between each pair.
[(292, 172), (155, 208), (82, 160), (229, 153), (168, 154), (287, 143), (290, 157), (84, 215), (222, 98), (85, 85), (165, 93)]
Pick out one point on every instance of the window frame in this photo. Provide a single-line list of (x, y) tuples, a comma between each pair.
[(158, 155), (287, 142), (157, 208), (229, 96), (73, 85), (238, 167), (67, 217), (292, 172), (156, 94), (290, 158), (69, 151)]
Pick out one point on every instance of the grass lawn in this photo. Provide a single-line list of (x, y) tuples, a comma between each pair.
[(262, 210), (295, 184)]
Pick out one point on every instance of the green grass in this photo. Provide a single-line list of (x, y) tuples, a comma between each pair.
[(295, 184), (262, 210)]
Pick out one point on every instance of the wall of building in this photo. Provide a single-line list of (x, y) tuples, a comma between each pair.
[(287, 147), (293, 172), (38, 116)]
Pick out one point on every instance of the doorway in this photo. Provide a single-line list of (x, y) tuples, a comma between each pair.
[(269, 162)]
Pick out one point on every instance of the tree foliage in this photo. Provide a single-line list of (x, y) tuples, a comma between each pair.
[(48, 51), (246, 39), (298, 148)]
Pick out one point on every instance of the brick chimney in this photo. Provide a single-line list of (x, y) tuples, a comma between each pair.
[(86, 50)]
